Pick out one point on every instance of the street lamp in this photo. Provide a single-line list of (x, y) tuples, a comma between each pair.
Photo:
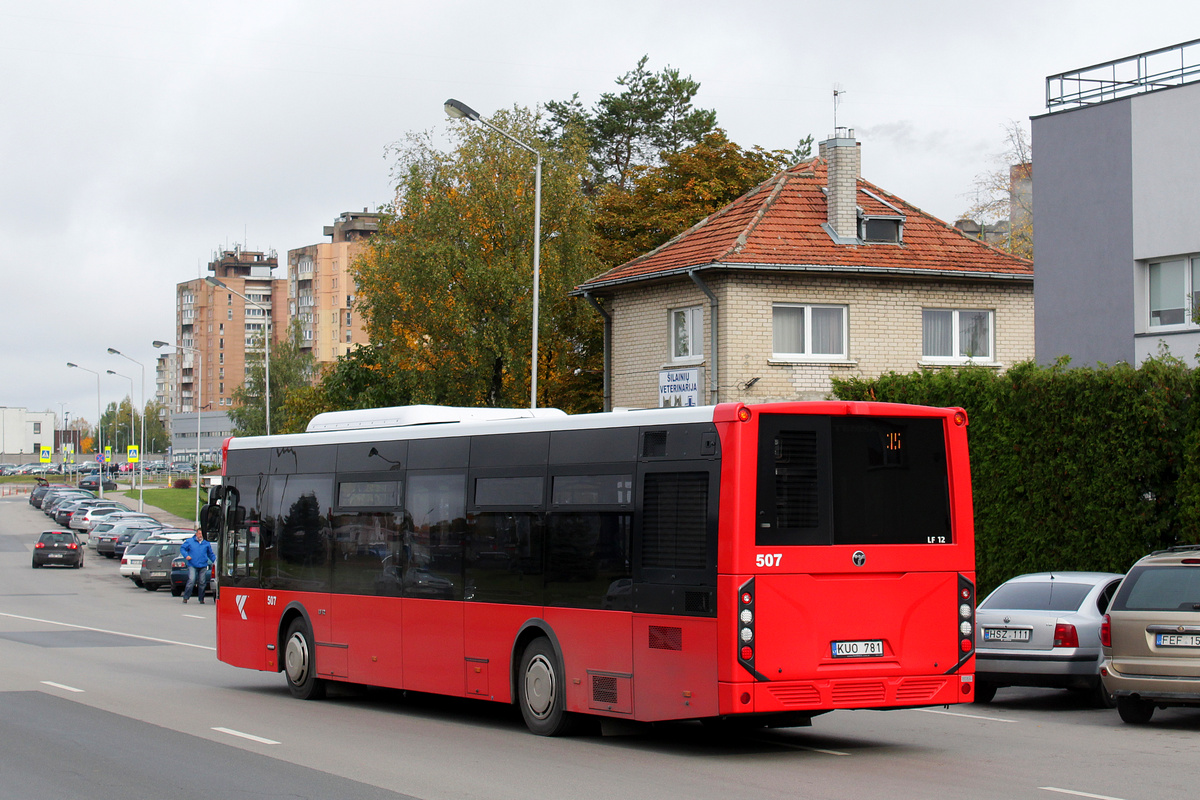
[(199, 398), (132, 421), (459, 110), (99, 427), (141, 472), (266, 341)]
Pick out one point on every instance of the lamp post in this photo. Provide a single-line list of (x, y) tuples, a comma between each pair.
[(132, 421), (459, 110), (199, 398), (99, 427), (141, 471), (266, 342)]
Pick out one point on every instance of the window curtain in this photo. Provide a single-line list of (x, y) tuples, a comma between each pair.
[(974, 334), (788, 329), (827, 332), (1167, 297), (937, 328)]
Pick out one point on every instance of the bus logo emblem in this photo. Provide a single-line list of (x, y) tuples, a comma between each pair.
[(241, 604), (859, 558)]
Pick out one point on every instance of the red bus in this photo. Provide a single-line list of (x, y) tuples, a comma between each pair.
[(766, 563)]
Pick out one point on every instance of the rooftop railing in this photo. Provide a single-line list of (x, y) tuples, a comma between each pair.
[(1112, 80)]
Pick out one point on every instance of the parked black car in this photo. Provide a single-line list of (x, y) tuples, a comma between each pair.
[(93, 482), (156, 567), (61, 548)]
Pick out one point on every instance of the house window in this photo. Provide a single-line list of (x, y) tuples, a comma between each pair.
[(1174, 291), (37, 429), (881, 230), (952, 334), (808, 331), (687, 333)]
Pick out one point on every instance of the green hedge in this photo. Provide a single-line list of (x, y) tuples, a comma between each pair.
[(1071, 469)]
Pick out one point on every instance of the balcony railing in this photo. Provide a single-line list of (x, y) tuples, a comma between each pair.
[(1112, 80)]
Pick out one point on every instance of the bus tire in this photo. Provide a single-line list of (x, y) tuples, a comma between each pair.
[(540, 690), (300, 663)]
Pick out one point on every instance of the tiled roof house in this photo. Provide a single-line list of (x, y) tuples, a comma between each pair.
[(812, 274)]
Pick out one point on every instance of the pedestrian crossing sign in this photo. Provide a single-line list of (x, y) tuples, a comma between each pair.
[(131, 454), (46, 455)]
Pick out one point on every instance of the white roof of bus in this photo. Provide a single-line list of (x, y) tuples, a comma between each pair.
[(478, 421)]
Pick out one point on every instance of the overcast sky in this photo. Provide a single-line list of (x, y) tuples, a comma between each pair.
[(137, 138)]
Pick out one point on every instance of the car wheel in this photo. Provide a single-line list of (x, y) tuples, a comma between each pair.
[(1100, 696), (150, 587), (541, 693), (300, 663), (137, 582), (36, 564), (176, 592), (984, 692), (1134, 710)]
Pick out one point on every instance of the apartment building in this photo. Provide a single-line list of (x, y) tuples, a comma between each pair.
[(221, 333), (320, 288)]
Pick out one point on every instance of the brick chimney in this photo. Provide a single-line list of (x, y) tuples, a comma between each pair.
[(841, 153)]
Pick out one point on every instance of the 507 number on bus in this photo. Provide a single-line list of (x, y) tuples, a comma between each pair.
[(768, 559)]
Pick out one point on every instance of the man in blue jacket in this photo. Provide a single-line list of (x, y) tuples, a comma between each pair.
[(199, 557)]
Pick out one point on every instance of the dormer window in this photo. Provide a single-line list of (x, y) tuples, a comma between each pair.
[(881, 229)]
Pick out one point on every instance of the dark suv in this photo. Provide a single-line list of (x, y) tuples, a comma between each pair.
[(1151, 635), (61, 548)]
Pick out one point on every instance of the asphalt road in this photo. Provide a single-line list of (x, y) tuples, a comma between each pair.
[(110, 691)]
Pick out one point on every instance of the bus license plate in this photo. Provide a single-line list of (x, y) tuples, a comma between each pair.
[(863, 648), (1177, 640), (1006, 634)]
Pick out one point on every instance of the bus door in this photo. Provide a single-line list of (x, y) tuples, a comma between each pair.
[(241, 611)]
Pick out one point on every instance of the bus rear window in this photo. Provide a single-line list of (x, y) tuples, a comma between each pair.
[(852, 480)]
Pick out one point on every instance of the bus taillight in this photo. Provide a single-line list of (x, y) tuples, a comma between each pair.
[(966, 615), (745, 623)]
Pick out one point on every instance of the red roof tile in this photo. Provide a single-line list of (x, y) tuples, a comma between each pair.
[(778, 224)]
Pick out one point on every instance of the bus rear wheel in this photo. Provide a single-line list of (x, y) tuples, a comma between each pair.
[(540, 691), (300, 664)]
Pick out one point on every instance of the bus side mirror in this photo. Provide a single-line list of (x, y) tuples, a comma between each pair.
[(210, 520)]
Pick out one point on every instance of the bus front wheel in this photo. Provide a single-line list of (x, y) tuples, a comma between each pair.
[(299, 663), (540, 690)]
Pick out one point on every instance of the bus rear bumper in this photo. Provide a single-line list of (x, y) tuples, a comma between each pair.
[(824, 695)]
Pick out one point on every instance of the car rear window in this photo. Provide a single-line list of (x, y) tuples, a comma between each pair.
[(139, 549), (168, 549), (1038, 596), (1160, 588), (57, 538)]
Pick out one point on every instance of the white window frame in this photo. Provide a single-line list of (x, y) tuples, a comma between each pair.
[(807, 354), (693, 318), (1190, 299), (956, 342)]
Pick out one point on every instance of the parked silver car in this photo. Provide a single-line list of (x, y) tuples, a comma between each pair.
[(1043, 629)]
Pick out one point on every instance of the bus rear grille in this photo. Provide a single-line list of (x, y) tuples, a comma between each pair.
[(919, 689), (604, 689), (665, 638), (859, 692), (795, 696)]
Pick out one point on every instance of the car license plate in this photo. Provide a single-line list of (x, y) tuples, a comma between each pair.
[(158, 574), (863, 648), (1177, 640), (1006, 634), (54, 555)]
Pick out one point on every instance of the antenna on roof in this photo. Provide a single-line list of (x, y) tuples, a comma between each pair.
[(838, 91)]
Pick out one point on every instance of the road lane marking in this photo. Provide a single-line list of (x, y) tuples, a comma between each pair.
[(1077, 794), (62, 686), (249, 736), (102, 630), (965, 716)]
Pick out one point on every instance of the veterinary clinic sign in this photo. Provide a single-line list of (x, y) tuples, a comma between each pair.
[(680, 387)]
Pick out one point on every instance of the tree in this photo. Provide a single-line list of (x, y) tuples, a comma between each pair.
[(292, 369), (1004, 195), (157, 439), (445, 286), (363, 378), (652, 115), (666, 200)]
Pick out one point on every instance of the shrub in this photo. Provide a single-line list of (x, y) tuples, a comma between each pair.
[(182, 483)]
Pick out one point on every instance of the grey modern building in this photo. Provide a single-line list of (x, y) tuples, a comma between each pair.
[(1116, 210), (214, 428)]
